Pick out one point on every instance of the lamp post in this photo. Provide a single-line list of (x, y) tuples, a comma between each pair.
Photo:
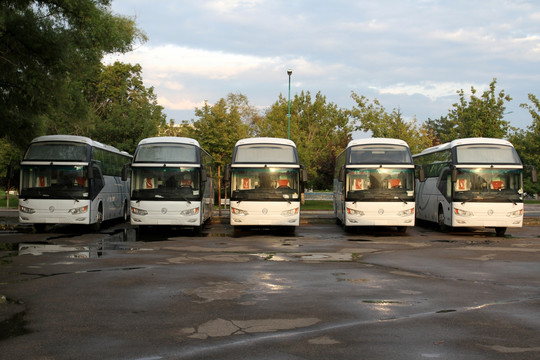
[(289, 72)]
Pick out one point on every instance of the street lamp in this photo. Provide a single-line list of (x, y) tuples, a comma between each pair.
[(289, 72)]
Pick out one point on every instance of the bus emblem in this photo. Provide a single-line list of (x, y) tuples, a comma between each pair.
[(381, 211), (164, 211), (265, 211), (490, 212), (51, 208)]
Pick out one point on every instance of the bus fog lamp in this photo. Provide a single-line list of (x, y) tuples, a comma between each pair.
[(79, 210), (290, 212), (26, 210), (190, 212), (136, 211)]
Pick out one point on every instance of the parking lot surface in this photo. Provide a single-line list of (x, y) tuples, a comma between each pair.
[(321, 293)]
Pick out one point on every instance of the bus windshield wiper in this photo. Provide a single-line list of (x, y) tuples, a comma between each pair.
[(399, 197)]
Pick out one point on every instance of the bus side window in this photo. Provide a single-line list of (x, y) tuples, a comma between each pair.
[(445, 185)]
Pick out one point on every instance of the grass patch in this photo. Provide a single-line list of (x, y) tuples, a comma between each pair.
[(13, 201), (318, 205)]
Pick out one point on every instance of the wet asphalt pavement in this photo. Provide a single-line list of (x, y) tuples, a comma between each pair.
[(321, 293)]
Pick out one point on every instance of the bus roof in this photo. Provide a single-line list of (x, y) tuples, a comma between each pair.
[(265, 140), (465, 141), (77, 139), (169, 140), (382, 141)]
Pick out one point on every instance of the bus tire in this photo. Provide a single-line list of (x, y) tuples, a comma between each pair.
[(402, 229), (440, 220), (500, 231), (97, 225), (39, 228), (125, 212)]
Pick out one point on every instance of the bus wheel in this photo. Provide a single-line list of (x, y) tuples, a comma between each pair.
[(39, 228), (97, 225), (440, 219), (125, 214), (402, 229), (500, 231)]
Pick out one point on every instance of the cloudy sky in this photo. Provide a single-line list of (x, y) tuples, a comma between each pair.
[(410, 54)]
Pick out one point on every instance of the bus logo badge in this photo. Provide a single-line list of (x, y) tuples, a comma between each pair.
[(164, 211), (490, 212), (265, 211), (381, 211), (51, 208)]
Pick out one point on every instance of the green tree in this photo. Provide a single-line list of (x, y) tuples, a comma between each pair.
[(126, 111), (477, 117), (48, 49), (527, 143), (373, 117), (218, 128), (319, 129)]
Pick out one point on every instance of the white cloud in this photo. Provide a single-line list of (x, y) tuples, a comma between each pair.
[(172, 59), (179, 103), (429, 89), (230, 5)]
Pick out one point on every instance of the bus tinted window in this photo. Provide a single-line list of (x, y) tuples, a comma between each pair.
[(380, 154), (486, 154), (56, 152), (166, 153), (266, 153)]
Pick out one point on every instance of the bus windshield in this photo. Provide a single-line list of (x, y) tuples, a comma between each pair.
[(380, 184), (165, 183), (54, 182), (265, 184), (488, 185)]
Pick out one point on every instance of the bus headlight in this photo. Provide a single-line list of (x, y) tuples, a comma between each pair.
[(138, 211), (289, 212), (26, 210), (516, 213), (461, 212), (239, 212), (355, 212), (189, 212), (79, 210), (407, 212)]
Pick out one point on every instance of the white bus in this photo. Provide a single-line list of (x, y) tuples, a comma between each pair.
[(171, 183), (266, 183), (473, 182), (374, 184), (67, 179)]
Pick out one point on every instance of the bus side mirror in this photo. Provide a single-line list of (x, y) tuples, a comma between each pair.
[(454, 175), (341, 177), (90, 170), (203, 174), (227, 173), (534, 175), (303, 173), (125, 171), (421, 174)]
